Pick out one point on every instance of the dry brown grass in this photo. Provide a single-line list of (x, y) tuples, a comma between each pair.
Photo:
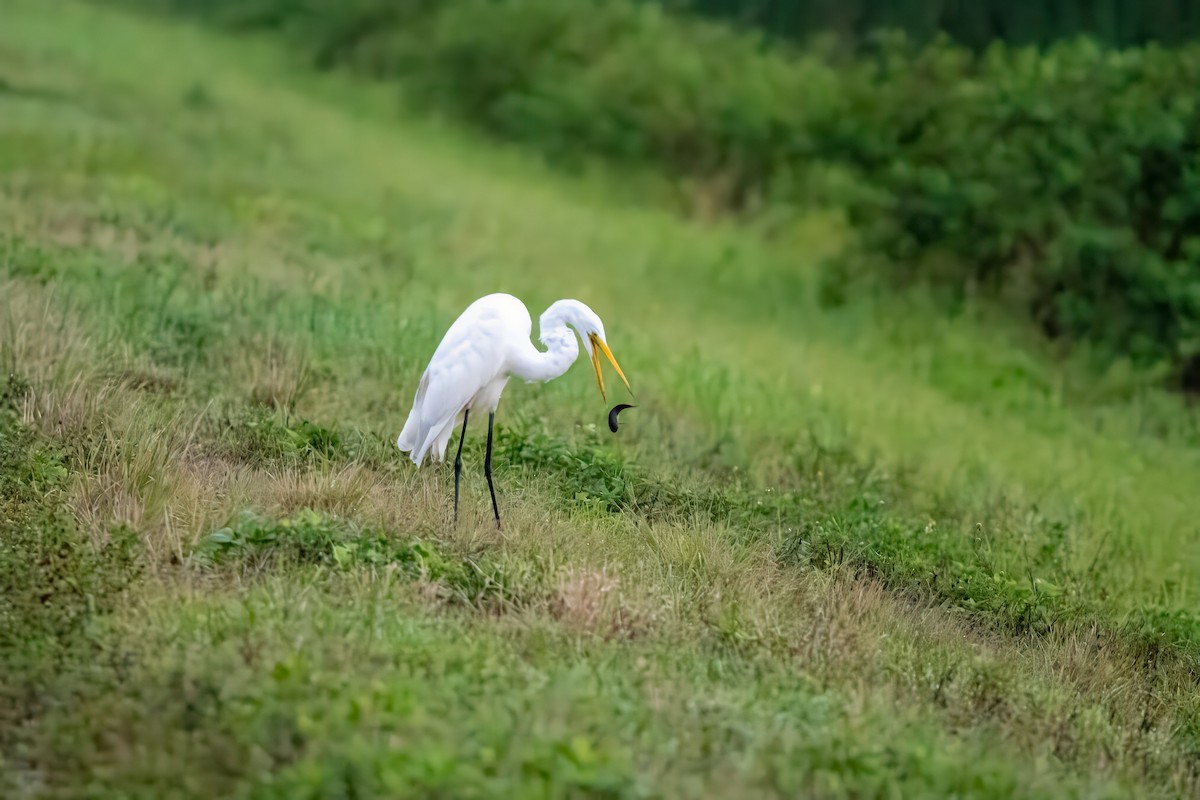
[(277, 375), (588, 600)]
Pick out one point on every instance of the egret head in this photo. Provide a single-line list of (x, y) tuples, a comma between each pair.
[(591, 331)]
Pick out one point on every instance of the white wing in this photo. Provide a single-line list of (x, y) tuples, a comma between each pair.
[(471, 357)]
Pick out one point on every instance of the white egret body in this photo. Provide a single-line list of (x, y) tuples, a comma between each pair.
[(488, 344)]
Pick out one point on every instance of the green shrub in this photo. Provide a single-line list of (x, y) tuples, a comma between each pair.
[(977, 23), (1065, 181), (623, 80)]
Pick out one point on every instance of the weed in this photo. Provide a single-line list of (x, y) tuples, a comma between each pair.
[(266, 437), (53, 584), (311, 539)]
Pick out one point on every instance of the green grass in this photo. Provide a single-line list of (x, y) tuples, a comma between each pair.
[(870, 550)]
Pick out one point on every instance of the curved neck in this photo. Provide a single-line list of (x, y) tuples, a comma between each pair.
[(562, 348)]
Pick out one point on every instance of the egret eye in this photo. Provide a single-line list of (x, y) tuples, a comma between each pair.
[(612, 415)]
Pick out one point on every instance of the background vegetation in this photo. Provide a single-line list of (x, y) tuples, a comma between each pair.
[(1113, 22), (1062, 181), (852, 542)]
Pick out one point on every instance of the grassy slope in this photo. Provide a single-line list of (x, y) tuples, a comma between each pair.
[(202, 247)]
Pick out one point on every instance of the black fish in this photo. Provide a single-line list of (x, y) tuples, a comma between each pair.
[(612, 415)]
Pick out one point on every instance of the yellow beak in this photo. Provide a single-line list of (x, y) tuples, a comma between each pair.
[(598, 347)]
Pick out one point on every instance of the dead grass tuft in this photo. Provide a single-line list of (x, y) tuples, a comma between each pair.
[(588, 600), (841, 624), (150, 379), (277, 375), (342, 491), (101, 502)]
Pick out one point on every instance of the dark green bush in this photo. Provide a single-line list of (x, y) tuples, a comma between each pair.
[(623, 80), (1065, 182), (976, 23)]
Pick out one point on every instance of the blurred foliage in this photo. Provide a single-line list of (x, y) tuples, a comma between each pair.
[(1062, 181), (1065, 181), (976, 23)]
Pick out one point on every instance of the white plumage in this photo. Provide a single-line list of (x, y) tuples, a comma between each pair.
[(465, 372), (488, 344)]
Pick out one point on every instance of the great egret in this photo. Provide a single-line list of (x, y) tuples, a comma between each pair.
[(488, 344)]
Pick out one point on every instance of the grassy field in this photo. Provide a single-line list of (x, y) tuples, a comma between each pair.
[(874, 551)]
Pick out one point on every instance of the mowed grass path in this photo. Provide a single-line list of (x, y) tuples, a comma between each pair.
[(222, 276)]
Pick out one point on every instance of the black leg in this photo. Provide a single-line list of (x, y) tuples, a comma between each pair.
[(487, 468), (458, 463)]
